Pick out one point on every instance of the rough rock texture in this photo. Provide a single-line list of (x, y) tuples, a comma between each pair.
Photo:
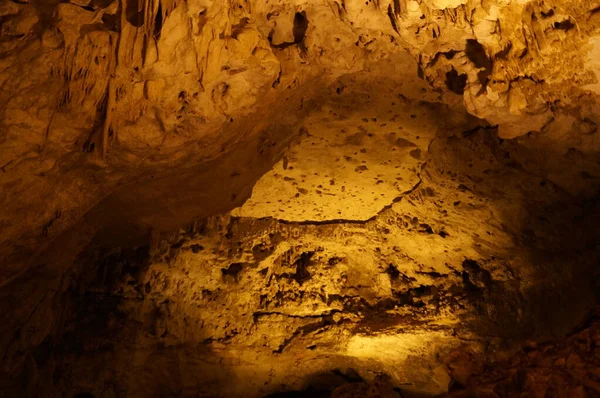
[(349, 198), (565, 369), (96, 96), (481, 254)]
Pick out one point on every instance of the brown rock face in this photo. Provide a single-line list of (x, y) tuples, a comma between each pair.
[(382, 198)]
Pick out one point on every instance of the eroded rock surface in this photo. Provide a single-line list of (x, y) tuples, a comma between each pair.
[(469, 263), (97, 95), (350, 198)]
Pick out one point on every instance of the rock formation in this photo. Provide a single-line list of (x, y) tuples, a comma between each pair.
[(345, 198)]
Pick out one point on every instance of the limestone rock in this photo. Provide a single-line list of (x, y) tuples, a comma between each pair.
[(346, 197)]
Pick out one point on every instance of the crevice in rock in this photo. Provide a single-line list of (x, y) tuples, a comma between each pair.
[(299, 32), (455, 82), (392, 17), (158, 22)]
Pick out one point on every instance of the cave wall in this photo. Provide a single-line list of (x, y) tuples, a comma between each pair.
[(122, 122), (483, 253), (450, 278)]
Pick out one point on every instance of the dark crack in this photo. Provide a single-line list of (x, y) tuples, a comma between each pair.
[(258, 314)]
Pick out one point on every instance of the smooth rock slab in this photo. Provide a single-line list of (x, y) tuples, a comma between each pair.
[(344, 168)]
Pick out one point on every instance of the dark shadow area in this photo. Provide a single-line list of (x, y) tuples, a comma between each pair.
[(322, 385), (101, 344), (477, 54), (134, 13), (455, 82), (554, 256), (348, 383), (552, 290)]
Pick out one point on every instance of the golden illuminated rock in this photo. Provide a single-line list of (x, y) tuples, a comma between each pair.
[(335, 197)]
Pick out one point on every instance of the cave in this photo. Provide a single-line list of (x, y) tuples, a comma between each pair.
[(292, 198)]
